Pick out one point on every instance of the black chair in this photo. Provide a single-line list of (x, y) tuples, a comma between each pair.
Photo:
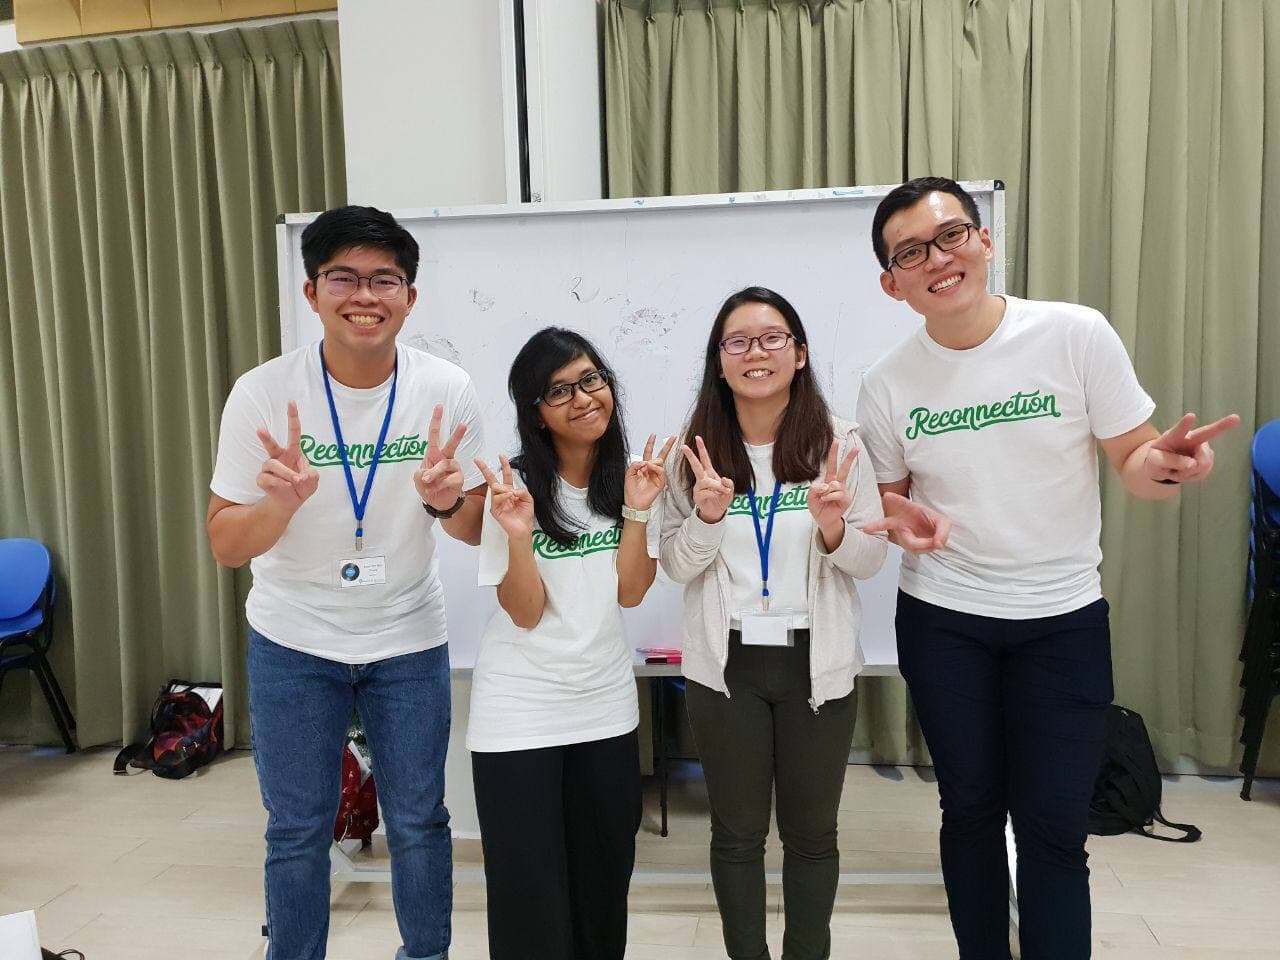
[(26, 624), (1260, 652)]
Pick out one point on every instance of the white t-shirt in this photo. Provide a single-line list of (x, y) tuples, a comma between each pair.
[(298, 598), (788, 550), (570, 678), (1001, 439)]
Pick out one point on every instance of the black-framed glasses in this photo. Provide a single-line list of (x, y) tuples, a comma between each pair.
[(343, 283), (911, 257), (773, 340), (562, 393)]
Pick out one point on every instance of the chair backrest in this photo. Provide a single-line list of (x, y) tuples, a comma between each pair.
[(1266, 454), (24, 571)]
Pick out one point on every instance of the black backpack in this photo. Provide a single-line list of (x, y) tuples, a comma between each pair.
[(1126, 795)]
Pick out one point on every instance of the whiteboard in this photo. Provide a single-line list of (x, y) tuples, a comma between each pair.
[(641, 278)]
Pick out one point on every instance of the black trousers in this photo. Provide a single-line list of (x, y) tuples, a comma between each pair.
[(1014, 713), (558, 826)]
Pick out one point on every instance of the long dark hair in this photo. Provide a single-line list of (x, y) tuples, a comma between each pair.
[(546, 352), (805, 433)]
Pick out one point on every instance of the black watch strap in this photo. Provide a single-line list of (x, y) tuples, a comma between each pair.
[(445, 514)]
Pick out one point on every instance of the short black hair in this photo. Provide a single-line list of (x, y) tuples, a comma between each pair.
[(343, 228), (908, 195)]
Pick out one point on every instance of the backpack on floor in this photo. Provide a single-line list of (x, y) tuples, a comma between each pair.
[(1126, 795), (186, 731)]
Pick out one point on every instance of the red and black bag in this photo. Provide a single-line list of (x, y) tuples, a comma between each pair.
[(186, 731), (358, 809)]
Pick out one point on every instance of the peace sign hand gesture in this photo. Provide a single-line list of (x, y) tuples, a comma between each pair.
[(712, 493), (286, 475), (912, 526), (439, 478), (512, 506), (1182, 454), (646, 478), (829, 498)]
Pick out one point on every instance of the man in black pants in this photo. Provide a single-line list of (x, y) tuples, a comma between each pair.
[(990, 416)]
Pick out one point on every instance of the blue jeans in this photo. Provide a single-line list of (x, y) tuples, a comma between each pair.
[(300, 706), (1014, 713)]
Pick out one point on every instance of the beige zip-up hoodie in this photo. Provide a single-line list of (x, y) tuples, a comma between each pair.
[(690, 554)]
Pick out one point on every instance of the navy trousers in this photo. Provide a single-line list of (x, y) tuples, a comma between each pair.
[(1013, 712)]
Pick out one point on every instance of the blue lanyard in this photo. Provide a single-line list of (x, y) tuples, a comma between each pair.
[(359, 503), (763, 541)]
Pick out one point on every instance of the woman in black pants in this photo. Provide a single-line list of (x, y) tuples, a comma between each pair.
[(552, 730)]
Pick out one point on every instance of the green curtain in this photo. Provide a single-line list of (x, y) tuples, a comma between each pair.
[(140, 181), (1140, 144)]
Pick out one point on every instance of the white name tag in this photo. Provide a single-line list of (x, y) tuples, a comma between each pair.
[(765, 628), (362, 571)]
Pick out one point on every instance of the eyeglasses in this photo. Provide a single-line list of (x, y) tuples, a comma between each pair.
[(562, 393), (773, 340), (344, 283), (911, 257)]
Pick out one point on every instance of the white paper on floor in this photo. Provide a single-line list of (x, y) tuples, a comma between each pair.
[(18, 937)]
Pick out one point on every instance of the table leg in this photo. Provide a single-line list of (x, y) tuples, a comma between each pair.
[(659, 726)]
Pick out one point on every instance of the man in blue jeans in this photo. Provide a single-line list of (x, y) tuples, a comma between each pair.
[(989, 419), (346, 610)]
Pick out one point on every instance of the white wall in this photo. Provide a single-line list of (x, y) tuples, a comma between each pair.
[(565, 98), (449, 68), (8, 37), (423, 102)]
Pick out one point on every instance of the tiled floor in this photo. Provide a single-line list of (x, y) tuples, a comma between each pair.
[(109, 862)]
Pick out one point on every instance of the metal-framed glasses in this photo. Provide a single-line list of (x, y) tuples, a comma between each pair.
[(562, 393), (773, 340), (343, 283), (911, 257)]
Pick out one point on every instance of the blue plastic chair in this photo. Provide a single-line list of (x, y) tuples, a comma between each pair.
[(27, 596), (1260, 651), (1264, 506), (1266, 464)]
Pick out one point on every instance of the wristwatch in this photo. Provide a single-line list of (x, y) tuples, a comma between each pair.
[(445, 514), (640, 516)]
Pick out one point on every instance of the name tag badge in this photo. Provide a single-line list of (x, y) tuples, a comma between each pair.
[(766, 628), (362, 571)]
